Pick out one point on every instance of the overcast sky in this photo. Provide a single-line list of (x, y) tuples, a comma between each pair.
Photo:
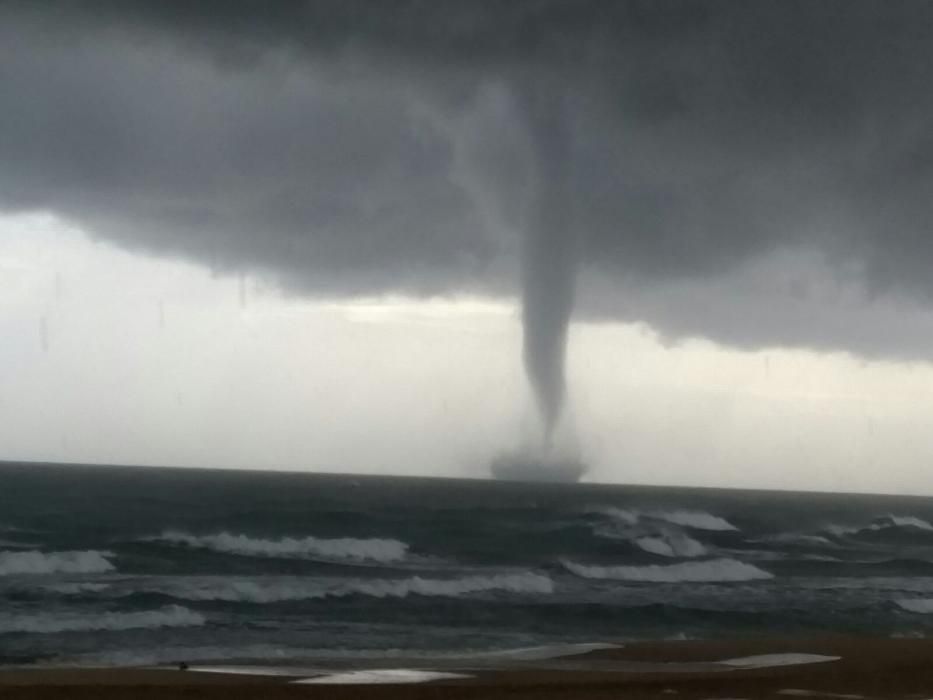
[(292, 237)]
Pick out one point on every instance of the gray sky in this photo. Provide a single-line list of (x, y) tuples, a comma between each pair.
[(755, 175)]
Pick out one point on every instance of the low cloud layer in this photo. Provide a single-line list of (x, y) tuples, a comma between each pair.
[(759, 173)]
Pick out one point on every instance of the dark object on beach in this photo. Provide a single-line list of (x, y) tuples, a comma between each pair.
[(183, 666)]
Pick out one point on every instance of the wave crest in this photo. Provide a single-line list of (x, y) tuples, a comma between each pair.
[(51, 623), (885, 522), (904, 521), (621, 515), (664, 542), (711, 571), (383, 551), (283, 590), (671, 545), (77, 588), (35, 562), (924, 606), (798, 539), (693, 519)]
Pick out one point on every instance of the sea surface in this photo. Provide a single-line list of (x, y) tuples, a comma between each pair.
[(122, 566)]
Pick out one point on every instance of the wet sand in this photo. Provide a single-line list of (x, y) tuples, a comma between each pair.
[(867, 668)]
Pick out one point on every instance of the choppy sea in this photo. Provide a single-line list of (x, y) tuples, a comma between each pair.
[(125, 566)]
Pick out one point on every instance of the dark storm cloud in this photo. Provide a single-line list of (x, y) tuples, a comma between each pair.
[(359, 147)]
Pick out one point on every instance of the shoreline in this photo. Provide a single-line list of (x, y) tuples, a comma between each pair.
[(832, 666)]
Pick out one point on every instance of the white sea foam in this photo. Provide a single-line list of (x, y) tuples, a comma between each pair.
[(381, 675), (888, 584), (257, 590), (667, 541), (525, 582), (34, 562), (841, 530), (798, 538), (626, 517), (923, 606), (341, 549), (695, 519), (77, 587), (770, 660), (671, 545), (884, 523), (50, 623), (710, 571), (907, 521), (15, 530)]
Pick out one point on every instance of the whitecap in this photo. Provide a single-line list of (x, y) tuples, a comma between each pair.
[(259, 590), (887, 522), (922, 606), (51, 623), (695, 519), (344, 548), (77, 587), (626, 517), (69, 562), (711, 571), (798, 538), (671, 545), (906, 521)]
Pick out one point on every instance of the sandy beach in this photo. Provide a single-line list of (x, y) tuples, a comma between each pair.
[(772, 668)]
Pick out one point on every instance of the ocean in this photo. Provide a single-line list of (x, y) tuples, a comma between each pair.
[(127, 566)]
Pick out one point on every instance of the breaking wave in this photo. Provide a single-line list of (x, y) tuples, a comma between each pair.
[(923, 606), (714, 570), (51, 623), (34, 562), (620, 515), (383, 551), (283, 590), (797, 538), (902, 521), (694, 519), (671, 545), (665, 542), (77, 588), (886, 522)]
